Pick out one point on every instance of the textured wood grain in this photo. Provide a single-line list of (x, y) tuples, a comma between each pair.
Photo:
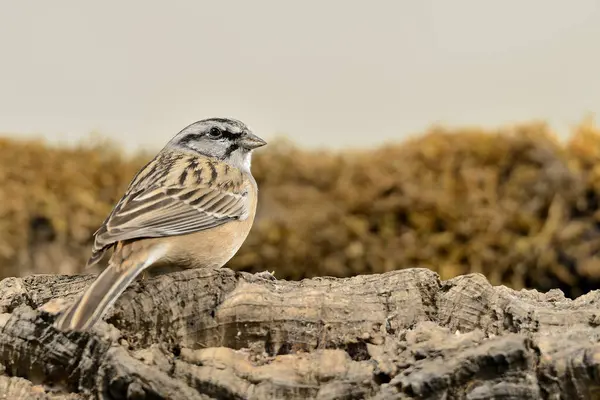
[(202, 334)]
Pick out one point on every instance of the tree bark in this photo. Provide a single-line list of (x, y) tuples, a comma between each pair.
[(220, 334)]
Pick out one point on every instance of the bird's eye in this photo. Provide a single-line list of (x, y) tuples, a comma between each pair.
[(215, 133)]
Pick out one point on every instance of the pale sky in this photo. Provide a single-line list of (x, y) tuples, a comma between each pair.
[(325, 73)]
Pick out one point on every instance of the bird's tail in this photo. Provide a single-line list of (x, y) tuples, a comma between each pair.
[(104, 291)]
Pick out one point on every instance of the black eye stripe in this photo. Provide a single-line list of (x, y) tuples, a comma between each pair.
[(190, 138), (230, 135), (193, 137)]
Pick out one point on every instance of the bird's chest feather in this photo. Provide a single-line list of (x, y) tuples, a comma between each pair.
[(212, 247)]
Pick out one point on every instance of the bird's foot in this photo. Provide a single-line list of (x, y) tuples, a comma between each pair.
[(266, 275)]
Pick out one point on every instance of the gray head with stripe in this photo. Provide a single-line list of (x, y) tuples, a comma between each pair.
[(225, 139)]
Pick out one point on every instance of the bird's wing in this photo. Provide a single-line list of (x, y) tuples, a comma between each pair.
[(188, 196)]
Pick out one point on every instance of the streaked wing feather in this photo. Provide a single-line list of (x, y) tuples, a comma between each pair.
[(171, 211)]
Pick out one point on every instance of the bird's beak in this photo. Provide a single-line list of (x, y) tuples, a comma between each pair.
[(250, 141)]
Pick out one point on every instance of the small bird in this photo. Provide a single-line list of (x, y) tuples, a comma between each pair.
[(191, 206)]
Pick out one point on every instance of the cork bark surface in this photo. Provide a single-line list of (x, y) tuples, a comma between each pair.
[(220, 334)]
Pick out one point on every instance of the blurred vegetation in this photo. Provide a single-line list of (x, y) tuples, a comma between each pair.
[(514, 204)]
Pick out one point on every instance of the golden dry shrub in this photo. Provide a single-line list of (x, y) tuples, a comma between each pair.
[(53, 199), (513, 204)]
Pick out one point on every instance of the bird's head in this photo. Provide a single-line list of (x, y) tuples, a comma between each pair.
[(225, 139)]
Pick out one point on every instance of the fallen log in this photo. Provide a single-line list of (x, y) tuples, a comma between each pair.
[(220, 334)]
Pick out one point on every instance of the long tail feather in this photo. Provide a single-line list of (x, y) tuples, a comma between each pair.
[(102, 294)]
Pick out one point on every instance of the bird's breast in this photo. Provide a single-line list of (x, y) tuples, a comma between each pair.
[(212, 247)]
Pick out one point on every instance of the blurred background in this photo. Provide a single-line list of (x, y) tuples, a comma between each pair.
[(457, 136)]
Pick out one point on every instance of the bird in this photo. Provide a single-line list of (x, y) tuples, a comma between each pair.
[(191, 206)]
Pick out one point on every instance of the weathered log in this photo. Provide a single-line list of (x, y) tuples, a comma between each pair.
[(202, 334)]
